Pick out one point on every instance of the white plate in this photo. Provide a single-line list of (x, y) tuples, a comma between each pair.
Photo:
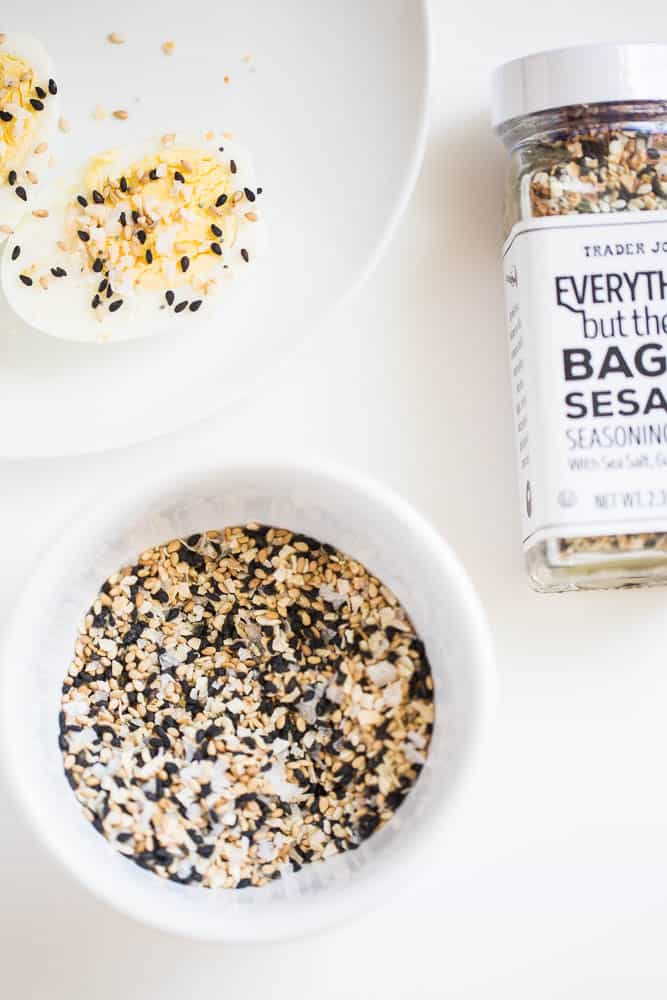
[(332, 105)]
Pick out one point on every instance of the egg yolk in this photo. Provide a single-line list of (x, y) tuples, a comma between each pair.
[(167, 221), (17, 114)]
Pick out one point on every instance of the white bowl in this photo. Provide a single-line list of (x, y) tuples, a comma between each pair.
[(360, 517)]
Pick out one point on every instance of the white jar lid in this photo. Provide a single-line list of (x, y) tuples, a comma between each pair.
[(581, 74)]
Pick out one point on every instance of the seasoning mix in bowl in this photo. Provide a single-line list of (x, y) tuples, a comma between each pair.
[(280, 685), (242, 701), (586, 288)]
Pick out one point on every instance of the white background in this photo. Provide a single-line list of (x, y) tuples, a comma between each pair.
[(553, 883)]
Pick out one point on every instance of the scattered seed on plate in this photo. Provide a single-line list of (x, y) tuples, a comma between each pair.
[(41, 213), (26, 279), (121, 114), (16, 252), (115, 38), (20, 192), (245, 254), (242, 703)]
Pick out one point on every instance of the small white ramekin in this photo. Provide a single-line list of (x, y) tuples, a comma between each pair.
[(359, 516)]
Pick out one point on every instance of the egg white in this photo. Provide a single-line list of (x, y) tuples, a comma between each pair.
[(63, 309), (12, 208)]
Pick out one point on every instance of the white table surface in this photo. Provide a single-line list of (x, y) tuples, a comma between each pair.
[(553, 882)]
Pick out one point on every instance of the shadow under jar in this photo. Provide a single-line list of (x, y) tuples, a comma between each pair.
[(585, 276)]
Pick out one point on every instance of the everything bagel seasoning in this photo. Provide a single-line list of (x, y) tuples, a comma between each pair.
[(241, 703)]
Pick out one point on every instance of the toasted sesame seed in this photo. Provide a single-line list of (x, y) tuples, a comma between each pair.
[(216, 248), (43, 281), (187, 166), (220, 201), (16, 252), (115, 38), (194, 306), (83, 235), (185, 263), (41, 213), (169, 296), (64, 125), (26, 279), (168, 47), (121, 114), (98, 265), (62, 246), (53, 87), (180, 307), (237, 197), (32, 177), (40, 148), (115, 306), (21, 193), (245, 254), (37, 105), (216, 230), (7, 230), (225, 79), (251, 216)]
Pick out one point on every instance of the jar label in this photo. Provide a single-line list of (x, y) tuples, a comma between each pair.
[(586, 300)]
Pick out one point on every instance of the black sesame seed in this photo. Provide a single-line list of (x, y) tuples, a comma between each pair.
[(11, 177), (194, 306), (115, 306), (178, 176), (58, 272), (26, 279), (37, 105), (102, 285), (220, 201), (245, 254), (97, 265), (96, 301), (109, 291), (216, 248), (141, 236), (82, 201), (135, 216), (232, 166), (250, 195), (221, 149), (169, 296), (149, 256), (16, 251), (180, 307), (98, 198), (20, 193), (216, 230), (153, 174), (53, 87), (185, 264), (40, 92), (5, 116), (259, 190), (83, 235)]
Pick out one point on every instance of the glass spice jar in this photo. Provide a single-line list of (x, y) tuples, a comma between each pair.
[(585, 275)]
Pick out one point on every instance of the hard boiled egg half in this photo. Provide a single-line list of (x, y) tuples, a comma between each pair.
[(28, 115), (142, 239)]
